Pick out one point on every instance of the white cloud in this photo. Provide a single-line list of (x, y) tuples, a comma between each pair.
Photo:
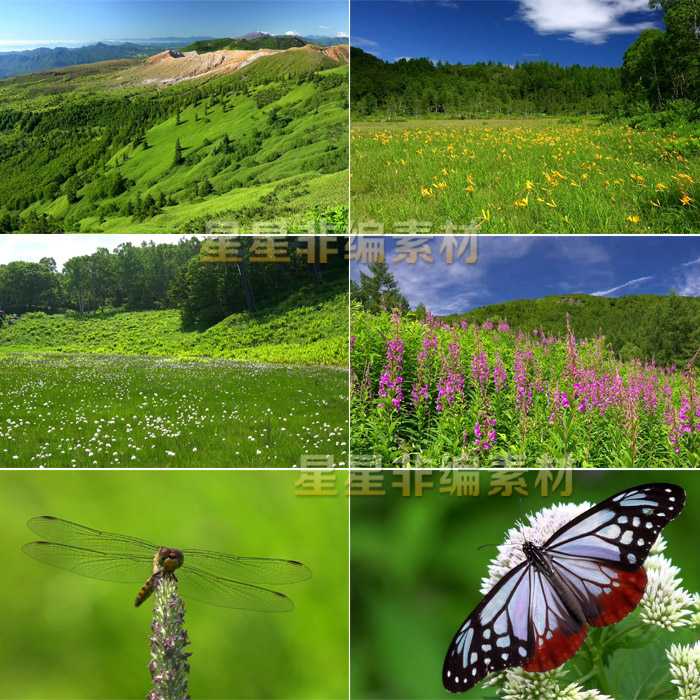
[(405, 58), (361, 41), (588, 21), (291, 33), (631, 283), (691, 262), (345, 35), (690, 286), (62, 248), (323, 26)]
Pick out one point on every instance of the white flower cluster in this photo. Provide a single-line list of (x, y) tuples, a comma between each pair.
[(665, 603), (685, 670), (516, 684)]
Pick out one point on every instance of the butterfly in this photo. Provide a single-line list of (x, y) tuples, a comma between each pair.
[(590, 572)]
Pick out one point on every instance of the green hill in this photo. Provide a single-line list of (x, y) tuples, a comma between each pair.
[(91, 149), (645, 326), (311, 334), (266, 42)]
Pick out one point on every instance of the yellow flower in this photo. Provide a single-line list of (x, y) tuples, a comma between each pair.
[(522, 202), (444, 172), (633, 219), (425, 192), (528, 186), (573, 184), (552, 204), (686, 200), (660, 186), (655, 204)]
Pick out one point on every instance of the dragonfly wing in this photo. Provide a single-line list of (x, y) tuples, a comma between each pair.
[(85, 562), (249, 569), (201, 586), (65, 532)]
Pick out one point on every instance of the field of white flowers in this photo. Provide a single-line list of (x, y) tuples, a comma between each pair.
[(124, 411)]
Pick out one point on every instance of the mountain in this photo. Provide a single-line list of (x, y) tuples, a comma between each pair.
[(172, 142), (253, 35), (14, 63)]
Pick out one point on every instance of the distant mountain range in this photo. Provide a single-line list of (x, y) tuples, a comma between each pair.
[(14, 63), (19, 62)]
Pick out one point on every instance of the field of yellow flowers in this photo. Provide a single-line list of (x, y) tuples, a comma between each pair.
[(525, 176)]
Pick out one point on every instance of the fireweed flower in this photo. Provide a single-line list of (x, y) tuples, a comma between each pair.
[(451, 382), (685, 670), (390, 380), (664, 604), (419, 393), (168, 665)]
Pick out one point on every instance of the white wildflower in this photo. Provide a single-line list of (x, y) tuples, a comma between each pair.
[(665, 603), (685, 670), (517, 684)]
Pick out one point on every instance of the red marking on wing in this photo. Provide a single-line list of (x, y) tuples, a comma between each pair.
[(622, 599), (553, 652)]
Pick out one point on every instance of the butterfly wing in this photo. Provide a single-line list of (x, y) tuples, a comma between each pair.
[(495, 636), (600, 554)]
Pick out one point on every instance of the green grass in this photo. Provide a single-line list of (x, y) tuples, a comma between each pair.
[(527, 176), (129, 411), (315, 334)]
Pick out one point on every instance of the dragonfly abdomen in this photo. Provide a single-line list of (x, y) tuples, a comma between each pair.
[(145, 592)]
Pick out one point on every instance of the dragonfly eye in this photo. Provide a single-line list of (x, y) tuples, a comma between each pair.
[(170, 559)]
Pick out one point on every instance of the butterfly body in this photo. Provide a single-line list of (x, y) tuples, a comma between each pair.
[(588, 573)]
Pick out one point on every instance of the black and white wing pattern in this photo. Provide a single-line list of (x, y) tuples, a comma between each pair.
[(590, 572)]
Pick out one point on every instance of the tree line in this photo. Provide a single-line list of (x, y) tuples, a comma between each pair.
[(637, 327), (661, 70), (181, 275)]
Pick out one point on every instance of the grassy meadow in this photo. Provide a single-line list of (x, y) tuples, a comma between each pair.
[(309, 335), (132, 389), (128, 411), (527, 176)]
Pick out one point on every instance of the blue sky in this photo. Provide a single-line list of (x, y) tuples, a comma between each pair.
[(531, 267), (588, 32), (27, 24)]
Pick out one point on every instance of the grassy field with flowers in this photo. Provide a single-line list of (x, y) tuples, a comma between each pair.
[(527, 176), (431, 394), (128, 411)]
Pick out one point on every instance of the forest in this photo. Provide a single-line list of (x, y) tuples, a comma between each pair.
[(155, 276), (660, 71)]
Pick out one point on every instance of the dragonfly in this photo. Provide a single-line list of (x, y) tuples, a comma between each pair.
[(209, 577)]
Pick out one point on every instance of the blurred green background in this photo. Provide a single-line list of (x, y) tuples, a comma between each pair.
[(67, 636), (416, 571)]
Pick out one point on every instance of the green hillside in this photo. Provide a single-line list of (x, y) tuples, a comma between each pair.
[(646, 326), (313, 334), (263, 42), (90, 149)]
